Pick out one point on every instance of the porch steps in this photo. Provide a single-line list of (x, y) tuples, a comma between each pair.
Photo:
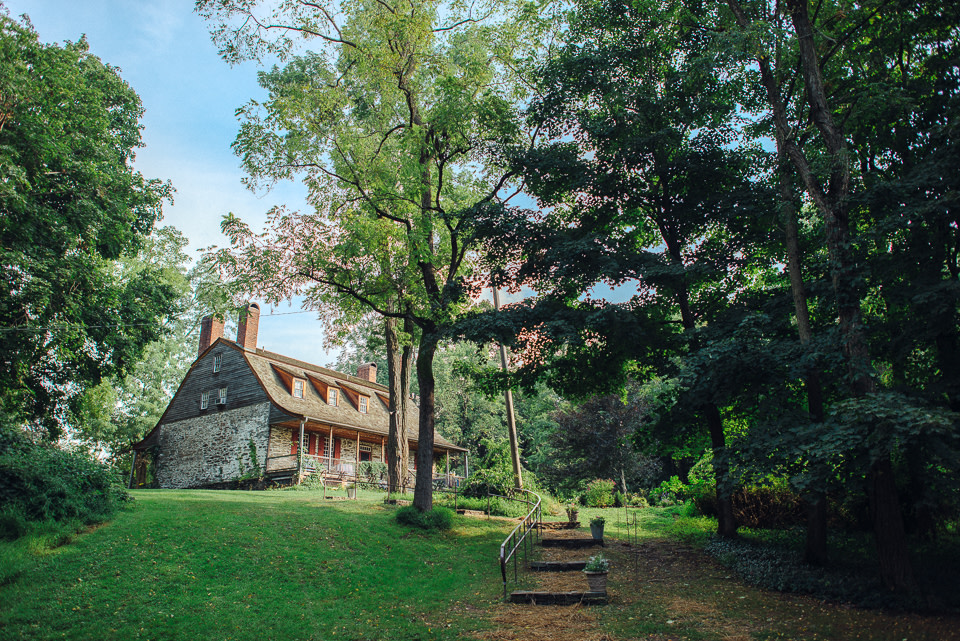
[(558, 598), (557, 566), (571, 543)]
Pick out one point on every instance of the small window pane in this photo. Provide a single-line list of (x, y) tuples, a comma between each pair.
[(223, 396), (363, 404), (204, 400), (217, 361), (332, 397), (298, 388)]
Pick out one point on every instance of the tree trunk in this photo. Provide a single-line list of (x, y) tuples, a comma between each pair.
[(397, 436), (816, 508), (726, 521), (406, 370), (423, 493), (511, 420)]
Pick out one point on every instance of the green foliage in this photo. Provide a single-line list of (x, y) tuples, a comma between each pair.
[(71, 206), (372, 472), (599, 493), (597, 521), (40, 482), (669, 492), (439, 518)]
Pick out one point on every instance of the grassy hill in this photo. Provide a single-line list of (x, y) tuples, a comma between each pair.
[(256, 565)]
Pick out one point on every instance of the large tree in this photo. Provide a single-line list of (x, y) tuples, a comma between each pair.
[(71, 206), (638, 188), (391, 122)]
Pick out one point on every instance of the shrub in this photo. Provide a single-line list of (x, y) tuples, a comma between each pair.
[(599, 493), (488, 481), (439, 518), (372, 472), (669, 492), (13, 524), (755, 507), (41, 482)]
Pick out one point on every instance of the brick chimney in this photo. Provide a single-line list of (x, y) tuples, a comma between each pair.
[(249, 323), (211, 328), (368, 372)]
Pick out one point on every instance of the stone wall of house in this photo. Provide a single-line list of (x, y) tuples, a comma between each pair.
[(348, 450), (214, 448), (279, 450)]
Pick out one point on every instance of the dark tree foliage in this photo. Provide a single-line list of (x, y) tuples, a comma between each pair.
[(595, 440), (70, 205), (639, 186)]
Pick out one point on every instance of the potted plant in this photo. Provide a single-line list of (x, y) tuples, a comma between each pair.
[(596, 527), (351, 491), (596, 570), (573, 510)]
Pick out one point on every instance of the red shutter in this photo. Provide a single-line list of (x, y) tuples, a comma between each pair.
[(293, 442), (336, 448), (311, 444)]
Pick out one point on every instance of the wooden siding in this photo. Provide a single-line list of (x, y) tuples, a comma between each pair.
[(243, 389)]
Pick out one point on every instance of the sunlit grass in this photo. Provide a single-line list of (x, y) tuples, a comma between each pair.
[(256, 565)]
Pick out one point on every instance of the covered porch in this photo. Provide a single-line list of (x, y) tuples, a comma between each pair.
[(298, 449)]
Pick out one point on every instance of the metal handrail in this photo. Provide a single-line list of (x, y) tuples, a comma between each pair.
[(531, 523)]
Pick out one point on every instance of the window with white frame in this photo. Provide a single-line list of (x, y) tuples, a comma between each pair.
[(222, 397), (204, 400), (298, 384), (332, 396), (217, 362), (363, 404)]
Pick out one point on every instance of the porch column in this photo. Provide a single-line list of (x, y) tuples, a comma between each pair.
[(300, 451), (330, 452), (357, 455), (383, 452)]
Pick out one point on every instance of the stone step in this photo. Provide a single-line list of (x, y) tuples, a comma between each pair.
[(557, 566), (558, 598), (571, 544)]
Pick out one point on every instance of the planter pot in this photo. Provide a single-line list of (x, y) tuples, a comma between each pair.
[(597, 532), (597, 581), (351, 492)]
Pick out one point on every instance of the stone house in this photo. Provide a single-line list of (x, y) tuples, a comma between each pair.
[(241, 409)]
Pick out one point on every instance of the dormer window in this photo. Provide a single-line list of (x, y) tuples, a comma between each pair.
[(363, 405), (222, 396), (332, 397), (298, 384), (217, 362), (204, 400)]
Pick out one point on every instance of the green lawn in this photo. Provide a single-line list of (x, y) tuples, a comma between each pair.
[(257, 565)]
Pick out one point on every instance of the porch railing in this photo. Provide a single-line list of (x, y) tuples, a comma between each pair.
[(526, 534), (346, 470)]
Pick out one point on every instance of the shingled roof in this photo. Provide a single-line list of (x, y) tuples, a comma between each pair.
[(269, 368)]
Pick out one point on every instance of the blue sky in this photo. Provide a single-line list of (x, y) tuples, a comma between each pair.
[(189, 95)]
